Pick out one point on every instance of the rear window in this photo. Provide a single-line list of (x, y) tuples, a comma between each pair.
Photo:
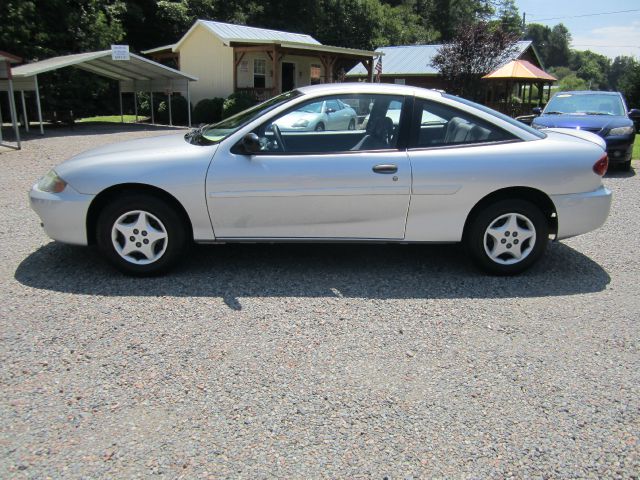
[(495, 113)]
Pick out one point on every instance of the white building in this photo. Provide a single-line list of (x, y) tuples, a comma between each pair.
[(230, 58)]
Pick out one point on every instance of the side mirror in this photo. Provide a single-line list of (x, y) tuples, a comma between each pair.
[(634, 114), (251, 143), (329, 110), (536, 110)]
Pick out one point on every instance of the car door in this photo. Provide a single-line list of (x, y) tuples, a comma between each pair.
[(335, 116), (326, 185), (456, 160)]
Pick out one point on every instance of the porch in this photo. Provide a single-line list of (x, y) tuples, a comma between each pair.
[(266, 70)]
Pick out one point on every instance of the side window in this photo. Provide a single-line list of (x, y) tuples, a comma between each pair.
[(259, 72), (436, 125), (353, 122)]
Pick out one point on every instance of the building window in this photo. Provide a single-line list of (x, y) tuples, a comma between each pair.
[(259, 72), (315, 73)]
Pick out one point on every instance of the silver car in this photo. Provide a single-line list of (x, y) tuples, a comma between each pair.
[(331, 114), (474, 176)]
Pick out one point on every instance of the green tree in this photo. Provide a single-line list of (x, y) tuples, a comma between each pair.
[(592, 67), (539, 36), (629, 85), (620, 66), (509, 17), (475, 51), (37, 30), (572, 82), (557, 49)]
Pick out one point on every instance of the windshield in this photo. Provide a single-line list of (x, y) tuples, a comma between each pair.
[(315, 107), (585, 104), (219, 131)]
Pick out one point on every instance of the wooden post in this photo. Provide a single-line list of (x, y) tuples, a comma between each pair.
[(276, 73), (236, 62)]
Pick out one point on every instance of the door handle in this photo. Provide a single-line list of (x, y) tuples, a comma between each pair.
[(385, 168)]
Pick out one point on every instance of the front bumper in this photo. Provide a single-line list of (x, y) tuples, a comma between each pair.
[(619, 149), (580, 213), (63, 214)]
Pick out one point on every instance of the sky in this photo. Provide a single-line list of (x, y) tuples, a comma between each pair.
[(602, 31)]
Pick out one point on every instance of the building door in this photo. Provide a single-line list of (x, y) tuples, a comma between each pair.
[(288, 76)]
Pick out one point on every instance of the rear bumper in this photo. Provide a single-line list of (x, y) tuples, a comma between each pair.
[(580, 213), (63, 214)]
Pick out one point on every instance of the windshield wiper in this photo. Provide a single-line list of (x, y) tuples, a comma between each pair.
[(554, 113), (597, 113)]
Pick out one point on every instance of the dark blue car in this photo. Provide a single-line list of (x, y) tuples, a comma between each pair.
[(603, 113)]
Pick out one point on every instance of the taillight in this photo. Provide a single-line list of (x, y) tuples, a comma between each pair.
[(600, 167)]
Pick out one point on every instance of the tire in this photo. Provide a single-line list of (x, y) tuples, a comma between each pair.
[(352, 125), (626, 166), (527, 221), (319, 127), (150, 249)]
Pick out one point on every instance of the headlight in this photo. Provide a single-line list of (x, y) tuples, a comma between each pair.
[(51, 183), (621, 131), (301, 123)]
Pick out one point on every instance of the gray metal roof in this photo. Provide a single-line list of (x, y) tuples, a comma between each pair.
[(136, 68), (240, 33), (416, 59)]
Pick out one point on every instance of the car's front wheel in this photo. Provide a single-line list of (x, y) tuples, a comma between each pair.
[(141, 234), (507, 237)]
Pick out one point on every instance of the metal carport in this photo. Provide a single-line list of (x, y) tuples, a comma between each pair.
[(137, 74), (6, 78)]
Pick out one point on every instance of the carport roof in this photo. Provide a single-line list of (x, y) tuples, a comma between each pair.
[(136, 68)]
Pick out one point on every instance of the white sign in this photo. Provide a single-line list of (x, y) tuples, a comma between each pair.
[(244, 66), (119, 52)]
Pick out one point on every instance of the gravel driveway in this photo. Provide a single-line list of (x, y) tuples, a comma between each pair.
[(314, 362)]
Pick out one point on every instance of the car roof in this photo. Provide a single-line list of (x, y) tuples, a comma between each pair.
[(587, 92), (365, 87)]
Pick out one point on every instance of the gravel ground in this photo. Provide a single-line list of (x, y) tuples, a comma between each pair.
[(334, 361)]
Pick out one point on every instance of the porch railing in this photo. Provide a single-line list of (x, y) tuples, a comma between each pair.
[(512, 109)]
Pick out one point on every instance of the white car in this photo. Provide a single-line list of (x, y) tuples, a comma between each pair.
[(473, 176), (319, 116)]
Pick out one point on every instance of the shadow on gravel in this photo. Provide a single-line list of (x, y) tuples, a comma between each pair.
[(287, 270), (617, 173), (89, 128)]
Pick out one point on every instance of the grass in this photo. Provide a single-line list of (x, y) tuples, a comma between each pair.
[(636, 148), (112, 119)]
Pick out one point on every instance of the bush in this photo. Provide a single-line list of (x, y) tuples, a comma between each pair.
[(208, 110), (178, 111), (237, 102)]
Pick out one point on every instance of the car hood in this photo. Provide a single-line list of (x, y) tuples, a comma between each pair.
[(139, 161), (586, 122)]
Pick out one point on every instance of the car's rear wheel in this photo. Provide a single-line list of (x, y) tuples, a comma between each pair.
[(507, 237), (626, 166), (352, 124), (141, 234)]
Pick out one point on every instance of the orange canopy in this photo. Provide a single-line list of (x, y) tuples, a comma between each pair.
[(520, 69)]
